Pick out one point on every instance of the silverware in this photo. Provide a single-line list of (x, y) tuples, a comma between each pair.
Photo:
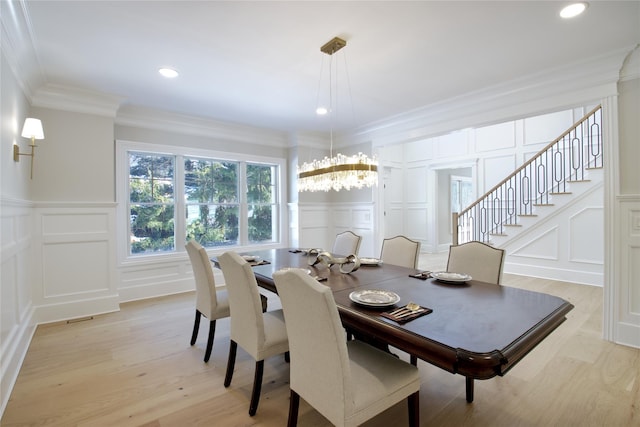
[(410, 307), (409, 313)]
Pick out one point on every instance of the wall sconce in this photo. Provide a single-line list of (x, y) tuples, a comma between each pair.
[(32, 129)]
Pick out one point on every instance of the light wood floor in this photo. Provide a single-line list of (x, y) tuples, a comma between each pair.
[(136, 368)]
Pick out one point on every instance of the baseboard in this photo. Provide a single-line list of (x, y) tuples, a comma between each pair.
[(77, 309), (154, 290), (628, 334), (564, 275), (13, 356)]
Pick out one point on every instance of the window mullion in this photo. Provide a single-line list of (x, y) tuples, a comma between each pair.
[(244, 211), (180, 229)]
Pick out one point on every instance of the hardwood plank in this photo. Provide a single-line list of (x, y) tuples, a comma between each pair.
[(136, 368)]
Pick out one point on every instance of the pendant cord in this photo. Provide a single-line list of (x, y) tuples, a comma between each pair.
[(331, 106)]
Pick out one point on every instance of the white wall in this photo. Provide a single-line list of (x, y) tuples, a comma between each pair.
[(17, 322)]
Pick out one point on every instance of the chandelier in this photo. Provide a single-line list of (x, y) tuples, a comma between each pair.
[(339, 171)]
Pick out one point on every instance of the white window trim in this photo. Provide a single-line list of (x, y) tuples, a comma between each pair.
[(122, 181)]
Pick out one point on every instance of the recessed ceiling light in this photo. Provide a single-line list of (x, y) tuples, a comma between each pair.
[(573, 10), (321, 111), (169, 73)]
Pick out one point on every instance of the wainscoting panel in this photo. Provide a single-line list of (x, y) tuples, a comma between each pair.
[(417, 224), (497, 168), (17, 322), (164, 276), (491, 138), (585, 237), (567, 244), (319, 225), (628, 300), (75, 274), (547, 127), (417, 190)]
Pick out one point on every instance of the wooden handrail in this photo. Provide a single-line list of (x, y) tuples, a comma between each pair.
[(528, 162)]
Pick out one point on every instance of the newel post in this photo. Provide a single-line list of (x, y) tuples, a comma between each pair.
[(454, 226)]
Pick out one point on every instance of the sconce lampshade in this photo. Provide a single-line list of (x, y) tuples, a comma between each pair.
[(32, 129)]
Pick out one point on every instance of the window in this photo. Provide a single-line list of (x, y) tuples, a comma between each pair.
[(170, 198), (151, 202), (212, 202), (262, 212)]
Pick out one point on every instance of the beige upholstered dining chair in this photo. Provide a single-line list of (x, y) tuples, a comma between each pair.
[(401, 251), (479, 260), (210, 303), (348, 382), (262, 335), (346, 243)]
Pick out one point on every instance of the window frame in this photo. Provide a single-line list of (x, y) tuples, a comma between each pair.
[(123, 147)]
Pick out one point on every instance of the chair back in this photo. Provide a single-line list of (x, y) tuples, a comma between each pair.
[(320, 371), (347, 243), (400, 250), (206, 301), (479, 260), (247, 323)]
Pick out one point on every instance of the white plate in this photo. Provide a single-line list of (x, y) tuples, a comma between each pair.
[(448, 277), (250, 258), (374, 297), (370, 261)]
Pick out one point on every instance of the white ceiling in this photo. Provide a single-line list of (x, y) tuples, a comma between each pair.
[(259, 62)]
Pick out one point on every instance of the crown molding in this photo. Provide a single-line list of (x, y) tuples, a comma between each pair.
[(16, 42), (77, 100), (631, 67), (148, 118), (583, 82)]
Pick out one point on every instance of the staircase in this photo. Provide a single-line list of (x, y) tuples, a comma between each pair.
[(568, 168)]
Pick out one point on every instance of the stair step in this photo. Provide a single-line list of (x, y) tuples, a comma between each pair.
[(512, 225), (560, 193), (531, 215), (498, 234), (579, 180), (543, 204), (594, 167)]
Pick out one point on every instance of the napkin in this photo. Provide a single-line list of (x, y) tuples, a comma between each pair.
[(404, 319)]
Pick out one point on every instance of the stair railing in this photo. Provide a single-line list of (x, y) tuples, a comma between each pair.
[(549, 172)]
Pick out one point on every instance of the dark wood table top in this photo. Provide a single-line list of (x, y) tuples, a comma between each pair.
[(476, 329)]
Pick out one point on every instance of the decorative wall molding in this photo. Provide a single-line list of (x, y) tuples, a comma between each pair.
[(319, 223), (74, 260), (76, 100), (583, 82), (627, 300), (147, 118)]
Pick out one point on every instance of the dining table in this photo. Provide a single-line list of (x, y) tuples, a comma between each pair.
[(476, 329)]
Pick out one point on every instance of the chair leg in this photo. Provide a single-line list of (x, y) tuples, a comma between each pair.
[(287, 358), (212, 332), (469, 382), (233, 348), (294, 404), (257, 387), (414, 409), (414, 360), (196, 326)]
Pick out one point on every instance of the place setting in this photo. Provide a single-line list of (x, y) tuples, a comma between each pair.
[(407, 312), (255, 260), (376, 298), (450, 277)]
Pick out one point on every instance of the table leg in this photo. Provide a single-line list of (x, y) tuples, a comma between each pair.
[(469, 389)]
